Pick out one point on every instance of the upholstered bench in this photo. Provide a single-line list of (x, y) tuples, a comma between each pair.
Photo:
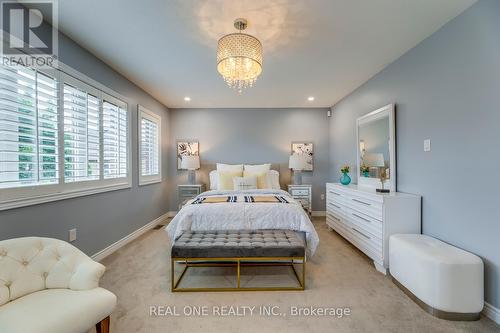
[(239, 248), (444, 280)]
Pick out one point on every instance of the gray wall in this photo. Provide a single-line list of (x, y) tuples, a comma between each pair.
[(103, 218), (446, 89), (251, 136)]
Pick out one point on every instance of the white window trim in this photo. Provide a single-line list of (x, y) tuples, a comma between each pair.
[(37, 194), (142, 112)]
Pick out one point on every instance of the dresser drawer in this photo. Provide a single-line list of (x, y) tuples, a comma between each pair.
[(337, 224), (353, 235), (299, 192), (367, 207), (335, 207), (303, 202), (363, 205), (371, 231), (361, 241), (334, 218), (366, 223), (188, 192), (369, 195)]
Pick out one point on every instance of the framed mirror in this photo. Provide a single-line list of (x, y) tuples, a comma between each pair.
[(376, 138)]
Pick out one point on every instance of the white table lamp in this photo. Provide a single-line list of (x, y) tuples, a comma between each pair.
[(191, 163), (377, 160), (374, 160), (297, 163)]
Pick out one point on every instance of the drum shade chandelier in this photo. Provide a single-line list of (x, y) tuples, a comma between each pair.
[(239, 58)]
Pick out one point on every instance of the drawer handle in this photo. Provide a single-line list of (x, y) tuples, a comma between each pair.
[(334, 205), (334, 193), (362, 202), (362, 234), (360, 217)]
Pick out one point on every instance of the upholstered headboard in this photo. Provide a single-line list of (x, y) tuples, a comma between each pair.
[(205, 168), (213, 166)]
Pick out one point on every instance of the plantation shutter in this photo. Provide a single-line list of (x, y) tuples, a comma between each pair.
[(149, 147), (28, 127), (114, 124), (81, 133)]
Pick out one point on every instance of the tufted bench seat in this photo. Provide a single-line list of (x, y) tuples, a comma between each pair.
[(239, 243), (239, 247)]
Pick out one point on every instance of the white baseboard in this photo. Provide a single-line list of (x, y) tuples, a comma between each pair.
[(127, 239), (172, 213), (318, 213), (491, 312)]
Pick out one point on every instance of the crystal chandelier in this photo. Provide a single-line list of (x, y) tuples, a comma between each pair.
[(239, 58)]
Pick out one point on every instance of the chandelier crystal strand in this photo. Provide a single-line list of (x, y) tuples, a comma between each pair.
[(239, 58)]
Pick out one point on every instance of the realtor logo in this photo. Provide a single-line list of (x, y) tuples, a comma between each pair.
[(29, 33)]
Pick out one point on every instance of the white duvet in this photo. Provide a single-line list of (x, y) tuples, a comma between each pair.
[(243, 215)]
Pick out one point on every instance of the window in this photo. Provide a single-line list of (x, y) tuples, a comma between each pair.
[(82, 118), (59, 137), (115, 138), (149, 146), (28, 128)]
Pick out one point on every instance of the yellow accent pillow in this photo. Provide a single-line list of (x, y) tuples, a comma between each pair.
[(262, 179), (226, 179)]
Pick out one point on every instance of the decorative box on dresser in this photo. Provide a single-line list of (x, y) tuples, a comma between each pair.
[(303, 194), (367, 219)]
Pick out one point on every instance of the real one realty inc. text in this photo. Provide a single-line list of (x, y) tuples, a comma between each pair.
[(247, 310)]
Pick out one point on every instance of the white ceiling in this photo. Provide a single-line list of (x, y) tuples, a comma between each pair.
[(320, 48)]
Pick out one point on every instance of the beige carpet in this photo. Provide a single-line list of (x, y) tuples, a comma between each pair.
[(338, 276)]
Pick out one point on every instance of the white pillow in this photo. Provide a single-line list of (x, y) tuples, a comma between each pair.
[(214, 179), (260, 168), (274, 179), (230, 167), (245, 183)]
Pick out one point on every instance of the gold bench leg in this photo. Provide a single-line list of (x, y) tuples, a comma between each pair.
[(175, 284), (302, 282), (172, 261), (303, 273), (238, 273)]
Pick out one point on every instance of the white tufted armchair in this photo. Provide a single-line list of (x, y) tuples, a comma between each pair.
[(49, 286)]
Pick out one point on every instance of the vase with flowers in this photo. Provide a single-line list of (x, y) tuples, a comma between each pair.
[(345, 179), (365, 170)]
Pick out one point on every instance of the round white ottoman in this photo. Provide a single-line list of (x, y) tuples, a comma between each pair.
[(444, 280)]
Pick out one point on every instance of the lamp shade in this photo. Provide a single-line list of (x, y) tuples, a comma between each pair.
[(374, 160), (362, 146), (297, 162), (190, 162)]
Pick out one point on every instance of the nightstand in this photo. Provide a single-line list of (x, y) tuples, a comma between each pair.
[(303, 194), (186, 192)]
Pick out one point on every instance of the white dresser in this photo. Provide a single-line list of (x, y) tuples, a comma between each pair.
[(367, 219)]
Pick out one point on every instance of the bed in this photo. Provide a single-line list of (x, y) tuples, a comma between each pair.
[(244, 215), (241, 210)]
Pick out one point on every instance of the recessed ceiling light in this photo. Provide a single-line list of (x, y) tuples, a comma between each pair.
[(187, 99), (310, 98)]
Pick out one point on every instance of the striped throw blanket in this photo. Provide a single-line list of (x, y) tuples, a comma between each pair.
[(246, 198)]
